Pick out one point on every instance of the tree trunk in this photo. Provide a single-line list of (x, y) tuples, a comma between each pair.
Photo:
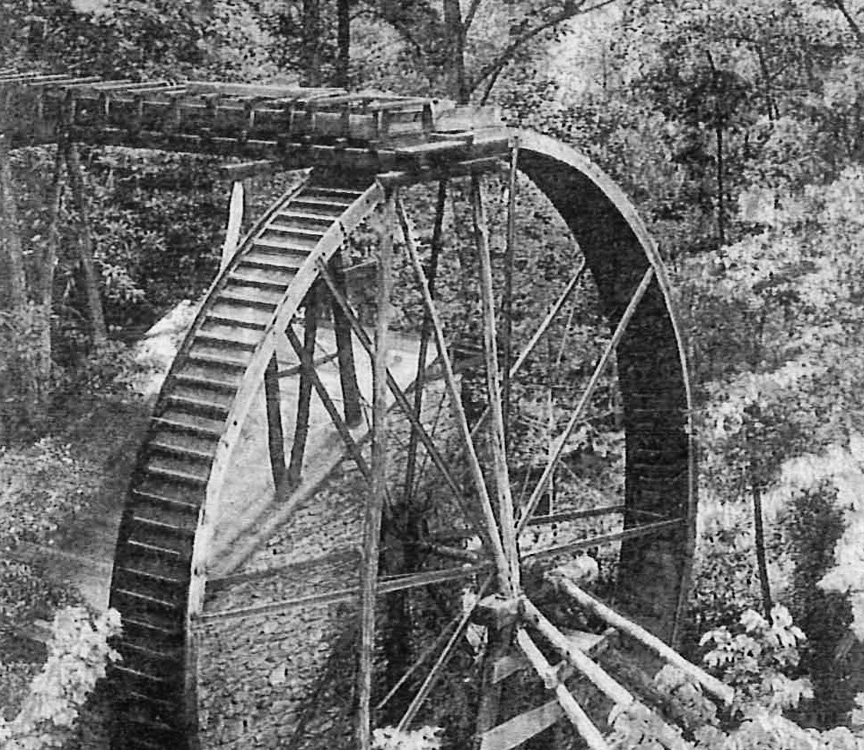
[(85, 247), (343, 43), (13, 282), (311, 43), (761, 561), (20, 387), (721, 207), (456, 83), (44, 292)]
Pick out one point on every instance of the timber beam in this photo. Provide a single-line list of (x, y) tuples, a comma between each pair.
[(274, 127)]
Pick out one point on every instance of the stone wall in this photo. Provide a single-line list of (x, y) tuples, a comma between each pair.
[(258, 673)]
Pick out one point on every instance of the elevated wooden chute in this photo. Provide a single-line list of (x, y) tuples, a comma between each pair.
[(452, 474)]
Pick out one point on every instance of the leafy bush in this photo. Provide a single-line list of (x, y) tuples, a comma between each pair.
[(77, 657), (757, 658)]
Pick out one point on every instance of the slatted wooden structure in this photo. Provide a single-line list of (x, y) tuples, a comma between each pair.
[(363, 150)]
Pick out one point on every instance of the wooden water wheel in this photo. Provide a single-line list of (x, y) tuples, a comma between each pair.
[(531, 317)]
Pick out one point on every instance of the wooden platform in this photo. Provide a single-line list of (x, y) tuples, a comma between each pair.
[(289, 127)]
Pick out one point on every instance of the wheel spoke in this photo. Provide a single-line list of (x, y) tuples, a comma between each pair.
[(404, 404), (459, 412), (536, 337), (375, 503), (499, 448), (442, 661), (581, 407), (437, 644), (507, 301), (425, 335), (385, 586), (647, 529)]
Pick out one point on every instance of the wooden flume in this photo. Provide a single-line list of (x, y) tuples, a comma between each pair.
[(363, 149)]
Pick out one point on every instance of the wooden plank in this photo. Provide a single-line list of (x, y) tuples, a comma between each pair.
[(248, 169), (268, 91), (235, 223), (523, 727)]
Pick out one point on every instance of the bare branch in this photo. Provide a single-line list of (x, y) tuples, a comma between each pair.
[(850, 20), (493, 69), (469, 15)]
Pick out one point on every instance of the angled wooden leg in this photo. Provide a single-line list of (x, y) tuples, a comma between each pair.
[(304, 396), (275, 437), (85, 244), (344, 346)]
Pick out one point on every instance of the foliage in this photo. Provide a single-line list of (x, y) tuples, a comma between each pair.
[(424, 738), (41, 487), (842, 468), (77, 656), (758, 661), (724, 571)]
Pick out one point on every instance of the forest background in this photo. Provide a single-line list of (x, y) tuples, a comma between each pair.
[(734, 125)]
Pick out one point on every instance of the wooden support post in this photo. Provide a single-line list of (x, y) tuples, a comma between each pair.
[(275, 437), (375, 503), (584, 599), (497, 646), (308, 366), (304, 394), (345, 348), (85, 244), (574, 711)]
